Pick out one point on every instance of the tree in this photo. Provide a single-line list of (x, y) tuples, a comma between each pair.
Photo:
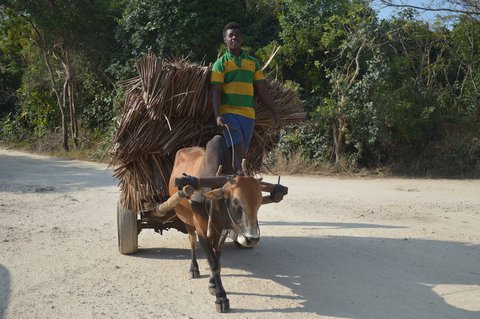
[(302, 26), (350, 40), (177, 27), (11, 66), (63, 30), (463, 74)]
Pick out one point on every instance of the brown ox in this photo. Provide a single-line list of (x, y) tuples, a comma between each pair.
[(231, 207)]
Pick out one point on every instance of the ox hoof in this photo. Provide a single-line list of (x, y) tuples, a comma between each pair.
[(194, 274), (222, 305)]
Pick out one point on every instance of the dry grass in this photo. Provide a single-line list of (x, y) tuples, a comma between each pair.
[(296, 165)]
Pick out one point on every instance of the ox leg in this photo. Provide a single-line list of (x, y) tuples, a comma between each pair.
[(222, 303), (194, 271), (217, 244)]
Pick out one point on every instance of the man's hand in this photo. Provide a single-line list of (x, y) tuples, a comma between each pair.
[(221, 122)]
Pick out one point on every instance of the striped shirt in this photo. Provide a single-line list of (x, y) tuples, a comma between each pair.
[(237, 76)]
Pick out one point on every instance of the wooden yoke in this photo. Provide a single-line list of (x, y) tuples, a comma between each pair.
[(277, 191), (199, 182)]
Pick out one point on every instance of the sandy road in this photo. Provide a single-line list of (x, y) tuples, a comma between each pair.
[(334, 248)]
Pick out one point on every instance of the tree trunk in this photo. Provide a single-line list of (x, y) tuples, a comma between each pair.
[(63, 110), (338, 130), (338, 138), (69, 95), (61, 105), (339, 125), (73, 113)]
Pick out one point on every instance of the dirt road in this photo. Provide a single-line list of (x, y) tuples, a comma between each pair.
[(334, 248)]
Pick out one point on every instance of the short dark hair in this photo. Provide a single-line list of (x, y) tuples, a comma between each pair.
[(230, 25)]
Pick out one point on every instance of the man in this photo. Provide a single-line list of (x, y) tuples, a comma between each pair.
[(236, 76)]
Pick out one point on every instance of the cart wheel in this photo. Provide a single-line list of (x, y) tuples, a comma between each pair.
[(127, 230)]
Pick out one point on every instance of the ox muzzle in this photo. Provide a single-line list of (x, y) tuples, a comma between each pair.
[(246, 239)]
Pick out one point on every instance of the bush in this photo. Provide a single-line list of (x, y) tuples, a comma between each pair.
[(309, 140), (457, 154), (12, 131)]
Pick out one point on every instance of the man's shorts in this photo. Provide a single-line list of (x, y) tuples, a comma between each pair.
[(240, 128)]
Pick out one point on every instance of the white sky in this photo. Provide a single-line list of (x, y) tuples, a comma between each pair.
[(385, 13)]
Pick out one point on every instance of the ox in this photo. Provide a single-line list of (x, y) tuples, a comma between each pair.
[(231, 207)]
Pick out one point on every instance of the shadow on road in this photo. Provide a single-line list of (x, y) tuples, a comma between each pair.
[(352, 277), (356, 277), (4, 290), (325, 225), (25, 174)]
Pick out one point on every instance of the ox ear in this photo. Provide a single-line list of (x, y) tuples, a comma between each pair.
[(217, 193)]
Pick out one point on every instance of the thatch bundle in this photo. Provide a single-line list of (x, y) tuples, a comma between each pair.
[(168, 107)]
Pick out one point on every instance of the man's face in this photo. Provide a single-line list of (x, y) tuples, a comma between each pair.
[(233, 39)]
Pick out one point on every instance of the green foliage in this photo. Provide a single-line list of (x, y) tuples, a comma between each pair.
[(302, 26), (177, 27), (76, 38), (303, 22), (310, 140), (11, 66), (10, 79), (390, 84), (38, 110), (262, 25), (464, 83), (11, 130), (399, 92), (102, 102)]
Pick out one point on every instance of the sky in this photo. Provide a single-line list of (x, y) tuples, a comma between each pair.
[(385, 13)]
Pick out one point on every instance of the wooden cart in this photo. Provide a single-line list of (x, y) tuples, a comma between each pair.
[(130, 224), (168, 107)]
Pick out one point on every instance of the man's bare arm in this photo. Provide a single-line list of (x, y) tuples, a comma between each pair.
[(216, 101), (261, 90)]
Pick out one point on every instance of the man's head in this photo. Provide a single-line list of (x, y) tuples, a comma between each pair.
[(232, 36)]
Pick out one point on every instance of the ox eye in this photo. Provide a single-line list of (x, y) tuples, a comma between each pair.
[(235, 202)]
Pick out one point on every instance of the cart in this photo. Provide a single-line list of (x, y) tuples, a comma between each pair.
[(167, 108), (163, 217)]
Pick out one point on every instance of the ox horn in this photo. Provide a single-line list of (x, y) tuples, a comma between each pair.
[(244, 167), (219, 171)]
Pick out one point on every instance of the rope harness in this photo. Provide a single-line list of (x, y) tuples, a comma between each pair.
[(237, 226), (221, 221)]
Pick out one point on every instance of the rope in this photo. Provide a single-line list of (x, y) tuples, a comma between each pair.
[(233, 147), (237, 226)]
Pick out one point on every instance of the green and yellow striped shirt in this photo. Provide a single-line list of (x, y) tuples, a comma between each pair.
[(237, 76)]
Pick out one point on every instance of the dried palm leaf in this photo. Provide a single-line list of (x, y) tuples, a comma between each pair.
[(168, 107)]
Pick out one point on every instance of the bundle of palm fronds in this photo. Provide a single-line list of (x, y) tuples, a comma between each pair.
[(168, 107)]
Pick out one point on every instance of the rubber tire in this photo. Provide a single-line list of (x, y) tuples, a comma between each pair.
[(127, 230)]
